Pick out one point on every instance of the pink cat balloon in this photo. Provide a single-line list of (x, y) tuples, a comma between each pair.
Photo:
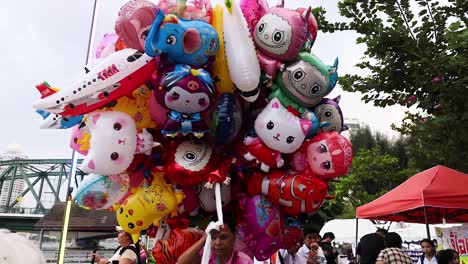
[(263, 221), (279, 131)]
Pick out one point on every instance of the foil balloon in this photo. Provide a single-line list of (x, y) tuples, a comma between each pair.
[(220, 68), (114, 141), (134, 21), (295, 192), (291, 231), (326, 155), (207, 197), (328, 110), (79, 140), (279, 131), (107, 45), (190, 9), (186, 92), (148, 205), (189, 42), (263, 219), (97, 192), (193, 162), (304, 81), (181, 238), (226, 119)]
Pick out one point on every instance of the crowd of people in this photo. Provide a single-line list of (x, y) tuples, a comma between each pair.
[(381, 247)]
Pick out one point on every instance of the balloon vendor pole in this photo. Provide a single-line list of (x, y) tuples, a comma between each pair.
[(66, 218)]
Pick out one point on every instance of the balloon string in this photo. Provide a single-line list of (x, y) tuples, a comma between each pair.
[(219, 210), (92, 32)]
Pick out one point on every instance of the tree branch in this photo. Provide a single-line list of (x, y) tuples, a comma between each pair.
[(404, 19), (433, 21)]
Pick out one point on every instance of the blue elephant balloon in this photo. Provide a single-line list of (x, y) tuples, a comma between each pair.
[(189, 42)]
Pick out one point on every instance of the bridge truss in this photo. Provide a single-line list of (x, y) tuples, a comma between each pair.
[(40, 177)]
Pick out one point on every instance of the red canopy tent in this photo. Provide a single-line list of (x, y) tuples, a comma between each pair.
[(436, 195)]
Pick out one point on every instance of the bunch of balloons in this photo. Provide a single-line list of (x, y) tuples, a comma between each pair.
[(184, 97)]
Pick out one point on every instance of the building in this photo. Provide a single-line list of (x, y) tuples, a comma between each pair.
[(13, 152)]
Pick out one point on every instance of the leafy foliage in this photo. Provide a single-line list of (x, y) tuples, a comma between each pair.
[(417, 56)]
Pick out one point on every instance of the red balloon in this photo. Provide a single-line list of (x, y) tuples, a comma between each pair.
[(193, 162), (296, 192)]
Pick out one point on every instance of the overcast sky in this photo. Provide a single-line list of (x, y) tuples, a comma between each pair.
[(46, 41)]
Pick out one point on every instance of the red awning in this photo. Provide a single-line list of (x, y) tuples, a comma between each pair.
[(443, 191)]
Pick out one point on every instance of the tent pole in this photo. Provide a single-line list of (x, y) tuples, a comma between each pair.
[(357, 227), (427, 224)]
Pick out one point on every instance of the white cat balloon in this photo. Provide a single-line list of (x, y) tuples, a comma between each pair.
[(278, 131), (114, 141)]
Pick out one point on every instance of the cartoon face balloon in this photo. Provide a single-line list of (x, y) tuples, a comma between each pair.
[(295, 192), (186, 92), (112, 144), (263, 220), (281, 33), (329, 111), (304, 82), (184, 41), (148, 205), (328, 154), (279, 129), (97, 192), (134, 22), (189, 162)]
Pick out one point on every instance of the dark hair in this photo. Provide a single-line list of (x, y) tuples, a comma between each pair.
[(382, 230), (326, 247), (329, 234), (307, 229), (393, 239), (427, 240), (444, 256), (230, 220)]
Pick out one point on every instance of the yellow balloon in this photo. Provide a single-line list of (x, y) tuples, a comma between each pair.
[(148, 205), (137, 107), (220, 68)]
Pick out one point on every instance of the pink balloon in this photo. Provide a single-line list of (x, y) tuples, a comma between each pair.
[(158, 112), (106, 46), (263, 221)]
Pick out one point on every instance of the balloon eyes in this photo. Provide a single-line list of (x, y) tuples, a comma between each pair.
[(315, 89), (261, 28), (114, 156), (325, 165), (131, 225), (298, 75), (322, 149), (201, 101), (120, 210), (328, 114), (278, 36), (175, 96), (144, 34), (190, 156), (290, 139), (171, 40), (270, 125), (117, 126)]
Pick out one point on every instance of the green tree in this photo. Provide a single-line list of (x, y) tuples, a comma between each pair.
[(371, 175), (417, 56)]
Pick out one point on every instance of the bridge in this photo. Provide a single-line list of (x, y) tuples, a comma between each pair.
[(38, 182)]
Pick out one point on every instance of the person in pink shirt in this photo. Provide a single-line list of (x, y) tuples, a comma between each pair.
[(222, 247)]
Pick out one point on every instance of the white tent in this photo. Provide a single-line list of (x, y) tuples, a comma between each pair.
[(345, 230)]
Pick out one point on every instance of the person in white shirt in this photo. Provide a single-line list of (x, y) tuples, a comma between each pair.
[(288, 256), (428, 249), (310, 252)]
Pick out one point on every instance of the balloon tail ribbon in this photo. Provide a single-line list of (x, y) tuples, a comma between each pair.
[(219, 210)]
